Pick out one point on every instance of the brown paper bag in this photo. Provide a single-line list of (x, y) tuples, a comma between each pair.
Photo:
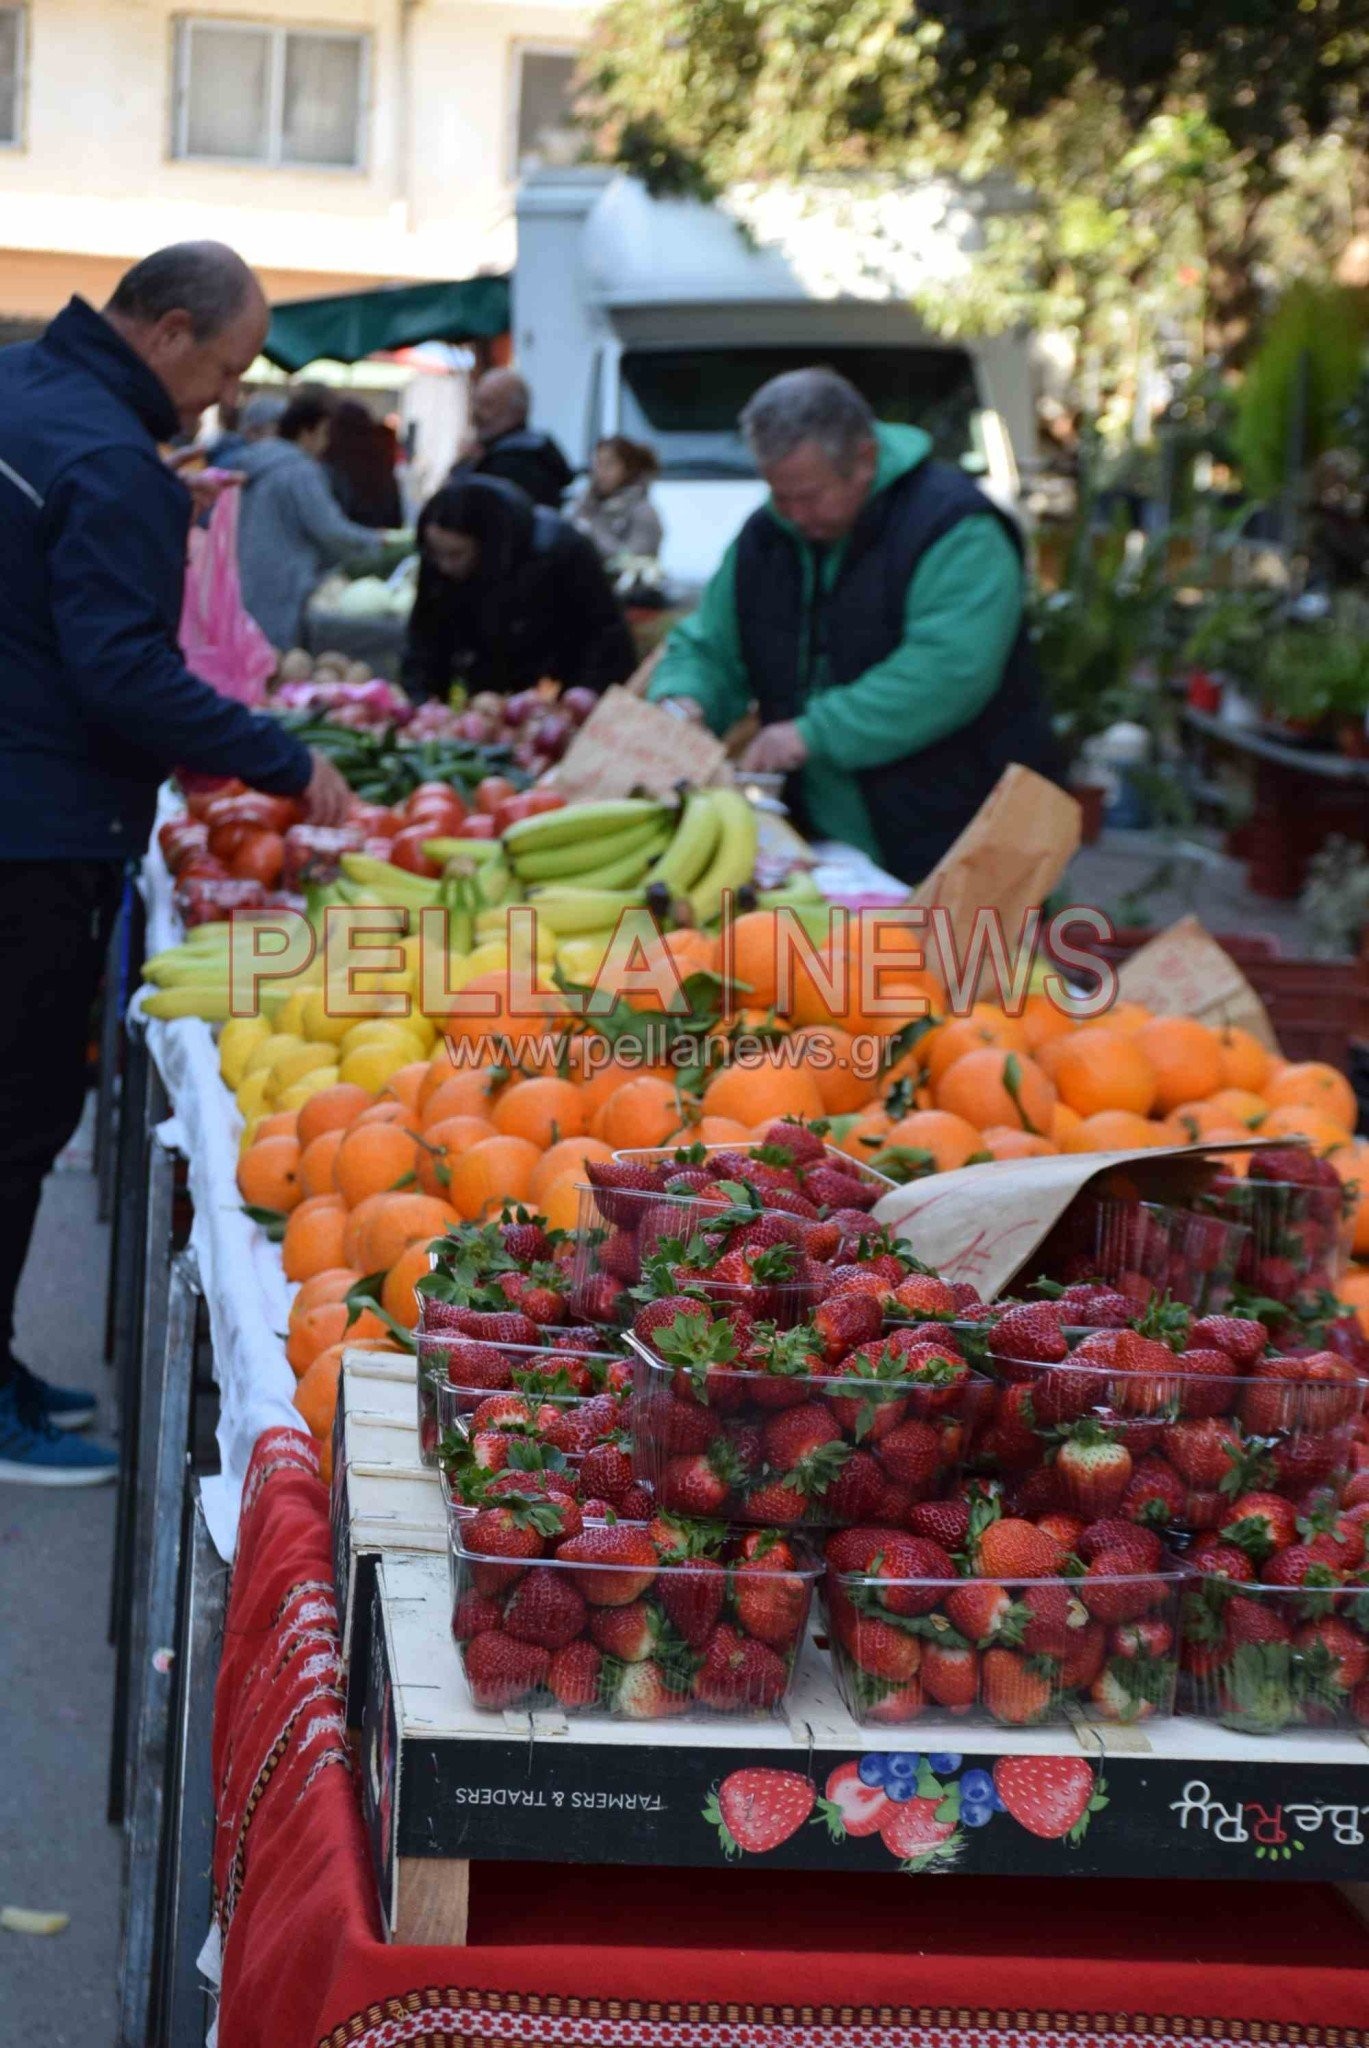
[(627, 744), (1183, 972), (982, 1224), (1007, 860)]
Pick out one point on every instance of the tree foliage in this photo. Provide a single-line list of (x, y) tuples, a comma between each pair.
[(1181, 156)]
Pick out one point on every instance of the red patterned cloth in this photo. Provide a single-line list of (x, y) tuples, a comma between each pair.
[(561, 1958)]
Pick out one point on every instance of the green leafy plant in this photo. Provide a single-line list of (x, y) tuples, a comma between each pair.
[(1335, 900)]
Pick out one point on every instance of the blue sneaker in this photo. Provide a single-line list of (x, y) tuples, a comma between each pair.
[(64, 1407), (33, 1453)]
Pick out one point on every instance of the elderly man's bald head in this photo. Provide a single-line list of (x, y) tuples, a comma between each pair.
[(500, 404), (197, 316)]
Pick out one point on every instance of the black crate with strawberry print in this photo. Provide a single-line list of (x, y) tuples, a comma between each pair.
[(639, 1621), (556, 1369), (814, 1425), (992, 1617), (1174, 1431)]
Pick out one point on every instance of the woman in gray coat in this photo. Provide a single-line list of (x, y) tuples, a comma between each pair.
[(291, 528), (615, 507)]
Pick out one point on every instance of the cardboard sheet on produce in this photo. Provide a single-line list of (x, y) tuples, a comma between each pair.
[(1008, 859), (983, 1223), (627, 745), (1183, 972)]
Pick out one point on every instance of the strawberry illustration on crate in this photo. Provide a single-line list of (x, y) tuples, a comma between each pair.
[(1054, 1797), (756, 1809)]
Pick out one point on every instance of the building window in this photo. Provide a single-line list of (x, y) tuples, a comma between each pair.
[(545, 128), (258, 95), (11, 76)]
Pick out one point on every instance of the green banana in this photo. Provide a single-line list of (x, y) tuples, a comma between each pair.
[(572, 912), (442, 850), (200, 1000), (371, 873), (800, 888), (568, 863), (692, 848), (735, 859), (576, 822)]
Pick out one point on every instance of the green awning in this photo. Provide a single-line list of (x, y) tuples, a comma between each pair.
[(357, 324)]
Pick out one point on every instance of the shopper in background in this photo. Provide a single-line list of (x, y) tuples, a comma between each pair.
[(360, 466), (508, 593), (256, 419), (502, 444), (97, 707), (614, 506), (873, 611), (291, 528)]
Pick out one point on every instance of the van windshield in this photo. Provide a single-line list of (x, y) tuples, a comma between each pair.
[(685, 402)]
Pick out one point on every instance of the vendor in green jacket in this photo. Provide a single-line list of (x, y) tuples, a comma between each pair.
[(872, 611)]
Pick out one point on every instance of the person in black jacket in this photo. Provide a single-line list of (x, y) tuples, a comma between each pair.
[(509, 593), (96, 707), (503, 444)]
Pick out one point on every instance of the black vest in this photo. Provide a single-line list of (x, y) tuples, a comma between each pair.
[(919, 804)]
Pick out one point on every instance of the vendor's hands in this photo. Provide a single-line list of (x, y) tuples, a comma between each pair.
[(327, 800), (776, 750)]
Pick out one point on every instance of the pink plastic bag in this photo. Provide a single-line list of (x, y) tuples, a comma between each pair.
[(222, 643)]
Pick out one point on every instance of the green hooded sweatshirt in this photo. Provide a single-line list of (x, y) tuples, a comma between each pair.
[(963, 609)]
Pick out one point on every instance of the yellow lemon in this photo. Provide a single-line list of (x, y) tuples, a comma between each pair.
[(318, 1023), (298, 1092), (290, 1016), (301, 1060), (268, 1052), (239, 1037), (370, 1066), (390, 1032), (254, 1093)]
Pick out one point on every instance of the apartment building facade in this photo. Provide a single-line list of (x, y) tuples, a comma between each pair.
[(336, 143)]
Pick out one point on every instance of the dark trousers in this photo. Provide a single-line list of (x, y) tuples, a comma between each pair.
[(55, 919)]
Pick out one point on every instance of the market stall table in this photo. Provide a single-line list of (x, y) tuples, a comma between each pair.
[(1301, 795)]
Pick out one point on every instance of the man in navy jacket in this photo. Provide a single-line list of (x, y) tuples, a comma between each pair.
[(96, 706)]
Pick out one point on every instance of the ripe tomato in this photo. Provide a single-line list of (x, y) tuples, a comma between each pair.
[(493, 791), (202, 867), (406, 851), (529, 805), (254, 807), (178, 838), (478, 825), (431, 796), (259, 858), (377, 821)]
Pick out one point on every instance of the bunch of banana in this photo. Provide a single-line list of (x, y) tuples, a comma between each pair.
[(608, 845), (728, 834), (193, 979)]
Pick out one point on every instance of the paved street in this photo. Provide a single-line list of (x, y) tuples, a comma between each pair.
[(56, 1851)]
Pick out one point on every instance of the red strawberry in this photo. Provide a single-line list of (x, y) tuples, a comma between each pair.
[(1013, 1690), (1015, 1549), (500, 1671), (983, 1612), (692, 1598), (912, 1831), (900, 1705), (573, 1679), (645, 1694), (623, 1546), (618, 1182), (1083, 1658), (475, 1615), (946, 1522), (1299, 1565), (1221, 1560), (701, 1485), (545, 1609), (1203, 1453), (1067, 1393), (950, 1677), (1256, 1621), (804, 1145), (597, 1298), (1261, 1523), (739, 1673), (858, 1490), (1346, 1648), (629, 1633), (851, 1807), (836, 1191), (1147, 1636), (912, 1455), (1112, 1591), (638, 1502), (779, 1503), (1209, 1383), (477, 1365), (678, 1426), (846, 1322), (1143, 1545), (1240, 1337), (855, 1550), (607, 1471), (1094, 1468), (882, 1650), (758, 1808), (545, 1305), (620, 1256), (1050, 1796), (791, 1437), (1155, 1495), (1089, 1306), (663, 1313), (1029, 1332), (496, 1326), (907, 1564), (518, 1530), (525, 1240), (771, 1600), (923, 1294)]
